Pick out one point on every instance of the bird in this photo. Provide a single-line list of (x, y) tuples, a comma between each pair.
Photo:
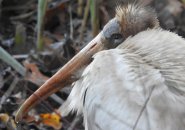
[(131, 76)]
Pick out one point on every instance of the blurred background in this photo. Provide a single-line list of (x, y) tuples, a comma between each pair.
[(37, 37)]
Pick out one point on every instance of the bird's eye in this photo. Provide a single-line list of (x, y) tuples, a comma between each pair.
[(113, 34), (116, 39), (116, 36)]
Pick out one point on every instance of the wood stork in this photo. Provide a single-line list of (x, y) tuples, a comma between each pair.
[(133, 76)]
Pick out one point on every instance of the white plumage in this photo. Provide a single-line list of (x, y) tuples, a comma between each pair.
[(140, 85)]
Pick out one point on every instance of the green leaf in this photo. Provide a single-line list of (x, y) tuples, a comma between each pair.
[(42, 6), (7, 58)]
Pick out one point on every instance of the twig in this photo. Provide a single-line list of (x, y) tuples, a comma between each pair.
[(84, 19), (22, 16), (57, 99), (105, 13), (22, 7), (94, 10), (21, 56), (80, 7), (3, 81), (9, 91), (71, 22), (1, 7)]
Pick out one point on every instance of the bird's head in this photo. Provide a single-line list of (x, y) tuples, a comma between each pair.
[(129, 20)]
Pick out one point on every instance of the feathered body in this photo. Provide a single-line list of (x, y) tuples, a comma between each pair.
[(140, 85)]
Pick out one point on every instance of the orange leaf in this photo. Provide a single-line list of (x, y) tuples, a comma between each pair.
[(53, 120)]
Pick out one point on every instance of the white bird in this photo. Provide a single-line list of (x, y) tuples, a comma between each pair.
[(136, 80)]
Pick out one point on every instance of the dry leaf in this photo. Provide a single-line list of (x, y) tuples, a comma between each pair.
[(35, 76), (51, 119)]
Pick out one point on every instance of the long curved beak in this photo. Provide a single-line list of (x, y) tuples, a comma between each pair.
[(63, 77)]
